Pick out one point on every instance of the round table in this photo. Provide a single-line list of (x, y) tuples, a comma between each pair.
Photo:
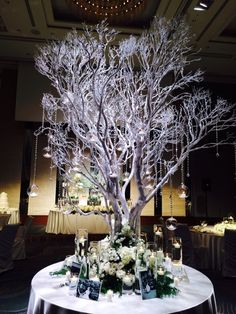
[(48, 296)]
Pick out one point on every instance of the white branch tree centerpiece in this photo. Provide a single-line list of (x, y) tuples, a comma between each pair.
[(127, 110)]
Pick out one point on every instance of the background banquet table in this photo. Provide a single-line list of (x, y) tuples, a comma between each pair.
[(58, 222), (208, 247), (14, 212), (48, 296)]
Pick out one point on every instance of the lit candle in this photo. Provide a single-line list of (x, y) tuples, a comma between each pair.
[(95, 278), (141, 250), (168, 263), (82, 240), (160, 271), (176, 281), (73, 280), (176, 245), (127, 280), (152, 259), (72, 285), (109, 295), (158, 233), (68, 274)]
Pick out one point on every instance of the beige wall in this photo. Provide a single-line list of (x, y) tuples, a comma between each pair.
[(178, 203), (149, 208), (46, 182)]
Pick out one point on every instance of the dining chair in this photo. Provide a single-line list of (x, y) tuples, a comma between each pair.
[(7, 236), (229, 254), (183, 232), (4, 218), (18, 247)]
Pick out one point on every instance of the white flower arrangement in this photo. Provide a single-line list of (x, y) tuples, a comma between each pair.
[(118, 257)]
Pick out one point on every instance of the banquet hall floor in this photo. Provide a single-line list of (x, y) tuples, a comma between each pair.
[(44, 249)]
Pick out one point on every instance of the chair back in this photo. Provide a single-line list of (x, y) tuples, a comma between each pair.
[(7, 236), (229, 255), (19, 245), (4, 218), (183, 232)]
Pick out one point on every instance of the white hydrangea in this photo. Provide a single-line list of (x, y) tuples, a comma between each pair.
[(120, 273), (127, 254), (112, 270)]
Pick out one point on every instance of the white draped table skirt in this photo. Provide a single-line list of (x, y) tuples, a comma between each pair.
[(49, 297), (58, 222)]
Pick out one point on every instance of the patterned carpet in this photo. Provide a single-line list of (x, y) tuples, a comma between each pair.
[(43, 250)]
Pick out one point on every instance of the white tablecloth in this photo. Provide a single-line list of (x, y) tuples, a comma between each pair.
[(67, 224), (15, 216), (47, 296)]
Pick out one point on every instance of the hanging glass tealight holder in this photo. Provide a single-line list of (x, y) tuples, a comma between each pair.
[(182, 191), (171, 223), (125, 176), (33, 190), (47, 152)]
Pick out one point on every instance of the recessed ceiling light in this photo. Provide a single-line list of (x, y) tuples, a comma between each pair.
[(203, 4), (198, 8)]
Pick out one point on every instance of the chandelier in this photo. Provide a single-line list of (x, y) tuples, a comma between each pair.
[(109, 8), (123, 12)]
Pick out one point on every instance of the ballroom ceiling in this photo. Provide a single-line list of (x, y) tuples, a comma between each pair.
[(27, 23)]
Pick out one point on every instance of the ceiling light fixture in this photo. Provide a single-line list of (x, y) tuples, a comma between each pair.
[(108, 8), (203, 5)]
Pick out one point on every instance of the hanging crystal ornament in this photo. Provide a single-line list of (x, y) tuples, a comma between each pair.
[(33, 190), (235, 161), (188, 172), (188, 169), (182, 190), (217, 142), (160, 177), (171, 223), (51, 169)]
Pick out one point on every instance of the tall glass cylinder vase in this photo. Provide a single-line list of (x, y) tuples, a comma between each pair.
[(81, 248), (141, 264), (158, 237), (176, 250)]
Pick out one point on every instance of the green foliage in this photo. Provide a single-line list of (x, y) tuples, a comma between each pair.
[(60, 272), (164, 286), (111, 283)]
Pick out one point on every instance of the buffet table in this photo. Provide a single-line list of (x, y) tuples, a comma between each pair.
[(14, 212), (49, 296), (59, 222)]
